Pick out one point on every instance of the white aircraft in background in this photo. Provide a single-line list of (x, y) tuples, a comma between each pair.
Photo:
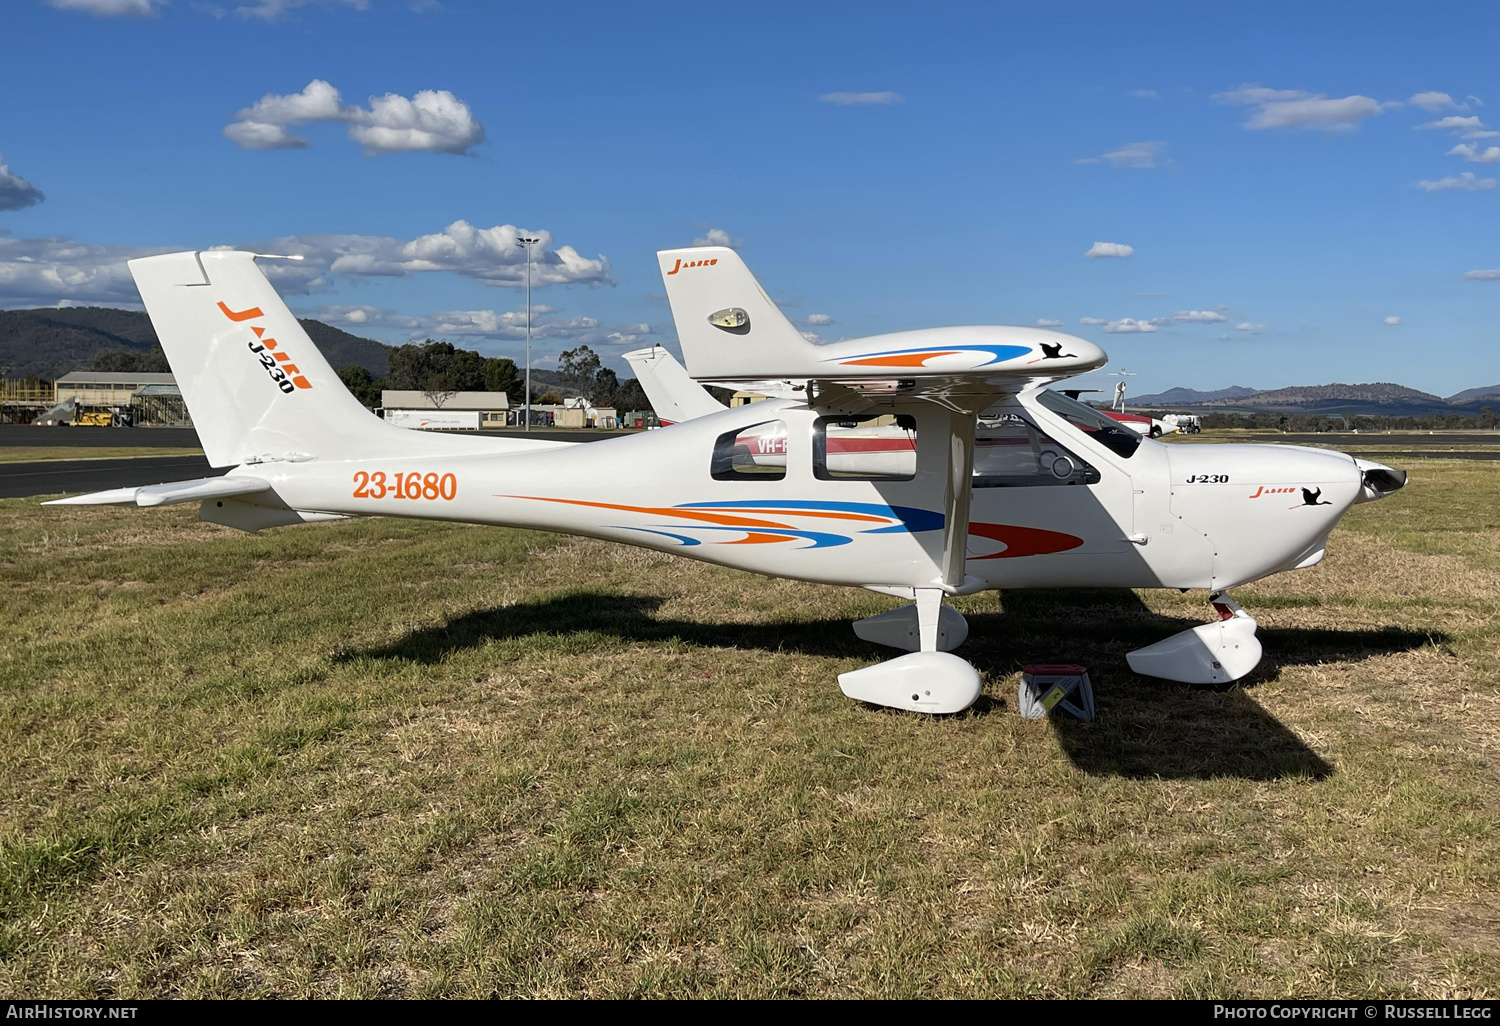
[(1061, 497)]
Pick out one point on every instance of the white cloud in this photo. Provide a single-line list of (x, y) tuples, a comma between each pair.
[(1492, 275), (505, 326), (818, 320), (718, 237), (1253, 93), (1197, 317), (812, 336), (1474, 155), (1331, 115), (1393, 319), (1293, 108), (44, 272), (1145, 94), (1435, 102), (1226, 338), (432, 121), (488, 255), (271, 10), (1465, 182), (1109, 249), (855, 99), (1466, 127), (1048, 323), (110, 8), (15, 191), (1127, 326), (1254, 329), (1092, 320), (1134, 154)]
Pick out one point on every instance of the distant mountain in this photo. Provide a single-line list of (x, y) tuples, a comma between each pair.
[(1381, 398), (1470, 394), (51, 342), (48, 343), (1381, 392), (1191, 396), (342, 349)]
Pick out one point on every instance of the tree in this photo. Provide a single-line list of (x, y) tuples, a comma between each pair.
[(606, 385), (631, 397), (580, 370), (436, 367), (1487, 417), (128, 362), (502, 375), (360, 385)]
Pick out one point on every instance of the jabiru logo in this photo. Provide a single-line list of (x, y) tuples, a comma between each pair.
[(278, 364), (692, 263)]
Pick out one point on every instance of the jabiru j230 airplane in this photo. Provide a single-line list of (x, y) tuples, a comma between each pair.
[(997, 483)]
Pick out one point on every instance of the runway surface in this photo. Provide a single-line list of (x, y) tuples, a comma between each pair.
[(49, 477), (187, 438), (18, 480)]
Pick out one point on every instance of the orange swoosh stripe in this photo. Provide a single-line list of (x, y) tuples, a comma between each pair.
[(711, 518), (758, 538), (904, 360)]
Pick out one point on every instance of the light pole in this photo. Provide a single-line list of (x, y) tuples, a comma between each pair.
[(528, 243)]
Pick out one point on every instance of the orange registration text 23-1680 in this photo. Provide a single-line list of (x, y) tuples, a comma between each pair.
[(414, 485)]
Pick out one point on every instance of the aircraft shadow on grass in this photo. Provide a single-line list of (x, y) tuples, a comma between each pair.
[(1145, 727)]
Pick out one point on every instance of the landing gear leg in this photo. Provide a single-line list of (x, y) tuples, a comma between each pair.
[(1215, 653), (927, 680)]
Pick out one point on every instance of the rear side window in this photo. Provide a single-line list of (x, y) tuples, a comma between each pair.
[(880, 448), (754, 453), (1111, 434)]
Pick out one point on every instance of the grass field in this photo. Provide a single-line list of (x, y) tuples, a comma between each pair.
[(391, 758)]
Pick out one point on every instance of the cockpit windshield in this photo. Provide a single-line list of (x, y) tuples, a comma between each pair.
[(1111, 434)]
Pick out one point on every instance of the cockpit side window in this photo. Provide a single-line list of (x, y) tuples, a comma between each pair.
[(868, 448), (753, 453), (1010, 451), (1111, 434)]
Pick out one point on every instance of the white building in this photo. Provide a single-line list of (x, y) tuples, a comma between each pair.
[(452, 411)]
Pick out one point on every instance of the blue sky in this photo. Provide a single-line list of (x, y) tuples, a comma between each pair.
[(880, 167)]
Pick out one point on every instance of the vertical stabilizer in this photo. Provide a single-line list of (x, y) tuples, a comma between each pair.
[(254, 383), (674, 396), (728, 326)]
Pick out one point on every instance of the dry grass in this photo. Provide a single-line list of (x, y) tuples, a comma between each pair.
[(390, 758)]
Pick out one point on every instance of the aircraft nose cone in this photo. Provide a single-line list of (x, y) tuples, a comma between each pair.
[(1378, 480)]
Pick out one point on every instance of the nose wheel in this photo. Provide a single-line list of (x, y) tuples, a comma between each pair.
[(1215, 653)]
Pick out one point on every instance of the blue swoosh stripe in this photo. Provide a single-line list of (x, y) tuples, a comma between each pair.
[(912, 519)]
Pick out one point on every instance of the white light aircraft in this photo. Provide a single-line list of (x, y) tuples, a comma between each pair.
[(872, 468)]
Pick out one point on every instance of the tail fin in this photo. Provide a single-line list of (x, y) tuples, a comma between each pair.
[(254, 383), (729, 328), (674, 396)]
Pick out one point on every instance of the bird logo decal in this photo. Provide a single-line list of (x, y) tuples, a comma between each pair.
[(1311, 497)]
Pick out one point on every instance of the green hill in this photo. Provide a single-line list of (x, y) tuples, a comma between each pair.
[(51, 342)]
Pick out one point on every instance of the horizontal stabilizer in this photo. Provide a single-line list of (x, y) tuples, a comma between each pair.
[(167, 494)]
